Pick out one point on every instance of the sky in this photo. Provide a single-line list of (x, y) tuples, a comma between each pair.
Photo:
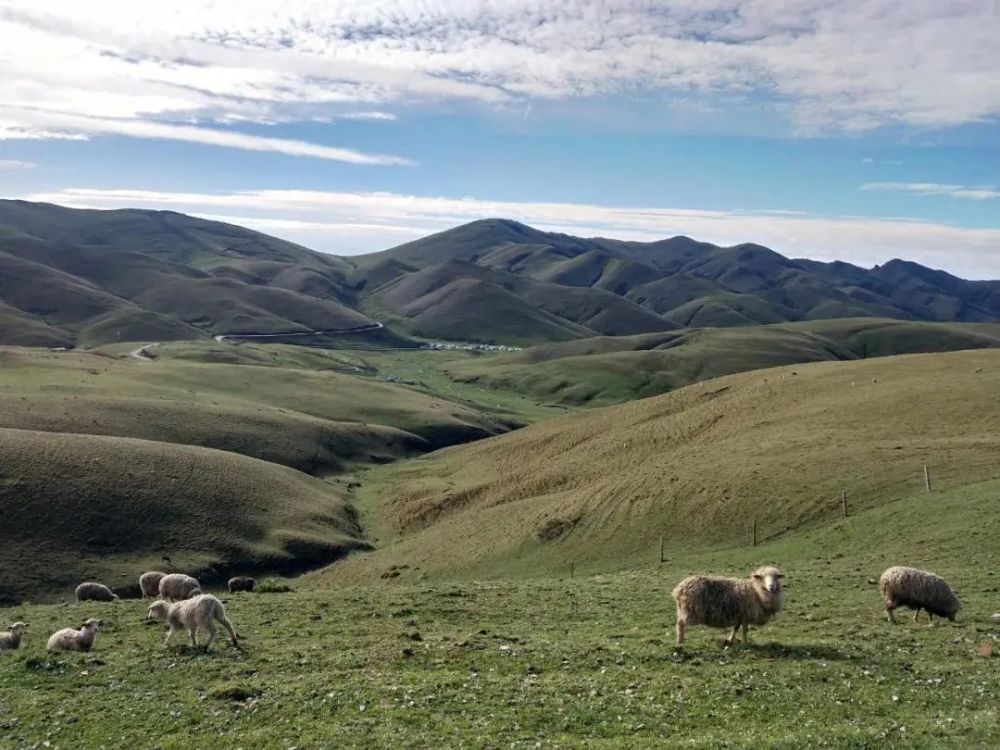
[(859, 130)]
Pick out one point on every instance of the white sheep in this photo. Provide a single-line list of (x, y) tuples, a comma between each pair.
[(177, 586), (728, 602), (94, 592), (70, 639), (149, 583), (11, 639), (201, 611)]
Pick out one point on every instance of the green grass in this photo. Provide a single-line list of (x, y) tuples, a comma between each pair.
[(421, 370), (777, 446), (552, 661), (610, 370)]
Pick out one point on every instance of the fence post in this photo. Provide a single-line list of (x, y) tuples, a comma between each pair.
[(661, 547), (843, 502), (753, 532), (927, 479)]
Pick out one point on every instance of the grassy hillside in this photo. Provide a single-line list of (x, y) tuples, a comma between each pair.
[(157, 452), (316, 421), (103, 276), (608, 370), (697, 466), (78, 507), (676, 282), (554, 662)]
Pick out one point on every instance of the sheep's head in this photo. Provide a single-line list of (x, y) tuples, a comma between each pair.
[(768, 579), (158, 611), (18, 628), (93, 624)]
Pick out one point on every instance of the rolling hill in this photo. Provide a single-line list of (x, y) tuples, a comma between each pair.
[(107, 463), (83, 277), (697, 466), (609, 370), (677, 283), (70, 276)]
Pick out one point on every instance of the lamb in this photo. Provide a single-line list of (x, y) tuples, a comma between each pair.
[(201, 611), (918, 589), (69, 639), (728, 602), (177, 586), (242, 583), (11, 639), (94, 592), (149, 583)]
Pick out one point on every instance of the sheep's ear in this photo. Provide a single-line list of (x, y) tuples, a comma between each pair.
[(780, 575), (758, 576)]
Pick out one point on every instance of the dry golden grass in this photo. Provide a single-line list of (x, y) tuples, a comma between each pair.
[(696, 465)]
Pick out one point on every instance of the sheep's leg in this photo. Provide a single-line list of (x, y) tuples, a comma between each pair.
[(746, 634), (888, 614), (211, 635), (233, 638), (732, 636), (916, 613), (170, 634), (193, 634), (681, 624)]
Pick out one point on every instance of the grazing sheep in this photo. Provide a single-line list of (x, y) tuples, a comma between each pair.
[(11, 639), (728, 602), (918, 589), (202, 611), (177, 586), (242, 583), (91, 591), (149, 583), (69, 639)]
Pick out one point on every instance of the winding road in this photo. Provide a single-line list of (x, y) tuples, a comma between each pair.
[(289, 334)]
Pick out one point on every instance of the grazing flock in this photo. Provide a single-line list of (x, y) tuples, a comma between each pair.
[(181, 605), (713, 601)]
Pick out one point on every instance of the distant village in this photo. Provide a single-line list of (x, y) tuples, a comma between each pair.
[(476, 347)]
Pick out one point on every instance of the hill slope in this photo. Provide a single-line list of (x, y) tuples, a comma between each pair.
[(99, 276), (696, 465), (609, 370), (681, 282)]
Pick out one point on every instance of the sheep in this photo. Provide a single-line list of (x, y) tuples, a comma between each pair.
[(69, 639), (728, 602), (11, 639), (95, 592), (201, 611), (177, 586), (149, 583), (901, 586), (242, 583)]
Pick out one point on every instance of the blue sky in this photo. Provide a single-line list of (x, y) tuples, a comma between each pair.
[(859, 131)]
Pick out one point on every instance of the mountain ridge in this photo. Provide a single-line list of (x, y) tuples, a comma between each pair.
[(85, 277)]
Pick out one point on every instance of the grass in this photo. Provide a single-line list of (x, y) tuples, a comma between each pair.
[(551, 661), (108, 463), (696, 466), (420, 370), (609, 370)]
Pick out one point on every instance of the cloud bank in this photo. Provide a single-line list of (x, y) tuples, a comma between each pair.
[(841, 65), (342, 222), (979, 193)]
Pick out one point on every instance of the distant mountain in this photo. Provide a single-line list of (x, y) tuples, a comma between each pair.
[(70, 276), (672, 283)]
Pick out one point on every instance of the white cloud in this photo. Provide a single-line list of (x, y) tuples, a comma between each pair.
[(978, 193), (209, 136), (12, 164), (839, 64), (357, 222)]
